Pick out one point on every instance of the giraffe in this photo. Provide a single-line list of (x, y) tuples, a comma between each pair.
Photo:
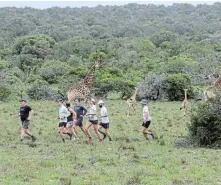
[(132, 101), (81, 90), (210, 92), (184, 103)]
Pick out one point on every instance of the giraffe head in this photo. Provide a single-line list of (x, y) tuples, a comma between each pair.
[(97, 64)]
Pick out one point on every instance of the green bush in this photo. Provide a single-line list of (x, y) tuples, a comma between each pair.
[(4, 92), (174, 85), (52, 70), (40, 92), (205, 125)]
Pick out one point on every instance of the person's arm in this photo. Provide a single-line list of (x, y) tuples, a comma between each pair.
[(84, 111), (67, 113), (30, 114), (74, 113)]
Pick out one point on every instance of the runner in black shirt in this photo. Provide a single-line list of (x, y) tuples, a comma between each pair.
[(80, 113), (25, 115), (70, 121)]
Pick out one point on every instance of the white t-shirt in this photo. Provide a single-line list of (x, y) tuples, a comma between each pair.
[(104, 113), (146, 116), (92, 110), (63, 113)]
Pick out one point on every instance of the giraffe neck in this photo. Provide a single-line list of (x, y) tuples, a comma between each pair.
[(89, 79), (185, 94), (134, 95), (217, 83)]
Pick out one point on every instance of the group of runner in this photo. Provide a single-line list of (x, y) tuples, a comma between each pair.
[(70, 118)]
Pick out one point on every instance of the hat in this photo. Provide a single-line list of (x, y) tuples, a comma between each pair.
[(93, 100), (144, 102), (60, 100), (100, 102), (22, 100)]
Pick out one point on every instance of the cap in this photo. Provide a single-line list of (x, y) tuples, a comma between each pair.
[(60, 100), (100, 102), (144, 102), (93, 100), (22, 100)]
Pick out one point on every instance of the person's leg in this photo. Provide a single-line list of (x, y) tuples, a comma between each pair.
[(96, 132), (145, 131), (108, 134), (80, 124), (87, 130), (82, 129), (99, 130), (73, 132), (68, 130), (22, 133), (26, 131), (61, 130)]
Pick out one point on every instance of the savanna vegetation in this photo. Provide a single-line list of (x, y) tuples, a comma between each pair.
[(128, 159), (43, 51), (159, 49)]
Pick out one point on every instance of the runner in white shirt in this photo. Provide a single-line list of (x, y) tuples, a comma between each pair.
[(104, 120), (146, 120), (92, 121), (63, 114)]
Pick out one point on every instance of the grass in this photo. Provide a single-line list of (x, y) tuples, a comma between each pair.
[(128, 159)]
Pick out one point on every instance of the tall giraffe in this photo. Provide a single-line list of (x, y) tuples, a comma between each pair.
[(210, 92), (185, 102), (81, 90), (132, 101)]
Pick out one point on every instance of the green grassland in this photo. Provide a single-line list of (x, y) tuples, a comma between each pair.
[(128, 159)]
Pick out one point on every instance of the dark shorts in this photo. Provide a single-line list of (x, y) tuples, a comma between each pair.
[(104, 125), (79, 123), (62, 124), (94, 122), (146, 124), (70, 124), (25, 124)]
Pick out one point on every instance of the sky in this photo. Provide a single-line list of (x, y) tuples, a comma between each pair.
[(48, 4)]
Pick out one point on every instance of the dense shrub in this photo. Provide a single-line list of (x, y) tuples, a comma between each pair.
[(51, 71), (174, 85), (205, 126), (40, 92), (4, 91), (152, 87)]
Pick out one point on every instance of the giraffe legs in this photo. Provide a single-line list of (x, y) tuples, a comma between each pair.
[(128, 110), (130, 106), (133, 107)]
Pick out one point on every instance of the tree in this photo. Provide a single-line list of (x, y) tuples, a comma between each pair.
[(30, 51), (205, 127), (174, 85), (52, 70)]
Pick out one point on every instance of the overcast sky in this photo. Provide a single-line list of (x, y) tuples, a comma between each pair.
[(48, 4)]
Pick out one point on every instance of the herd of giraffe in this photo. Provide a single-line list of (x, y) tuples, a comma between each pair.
[(82, 90)]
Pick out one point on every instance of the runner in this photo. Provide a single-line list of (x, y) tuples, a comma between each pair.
[(81, 112), (146, 120), (63, 114), (25, 114), (104, 120), (92, 121), (70, 122)]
